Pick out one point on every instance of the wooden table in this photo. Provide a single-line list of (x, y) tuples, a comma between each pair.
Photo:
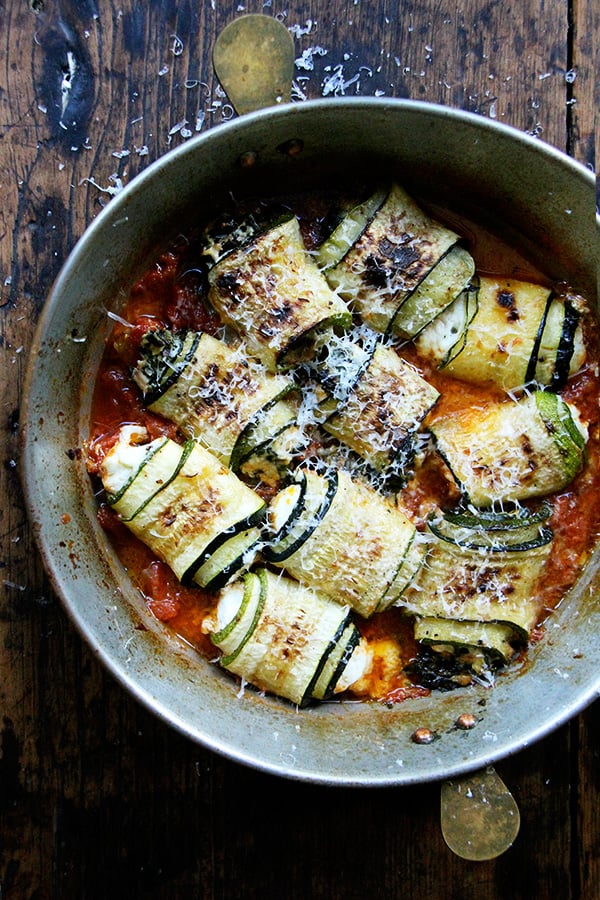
[(98, 798)]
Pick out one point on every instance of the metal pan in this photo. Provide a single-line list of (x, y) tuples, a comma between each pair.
[(530, 194)]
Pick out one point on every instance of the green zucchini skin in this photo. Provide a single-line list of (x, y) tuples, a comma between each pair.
[(491, 529), (444, 338), (270, 462), (275, 418), (214, 392), (484, 644), (445, 282), (512, 450), (338, 655), (233, 550), (164, 356), (272, 293), (285, 638), (232, 638), (160, 464), (320, 546), (494, 531), (352, 226), (482, 570), (188, 515), (567, 359), (389, 259), (314, 498)]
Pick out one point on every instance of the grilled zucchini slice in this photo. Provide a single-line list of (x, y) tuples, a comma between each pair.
[(296, 511), (214, 392), (137, 476), (284, 638), (561, 352), (445, 282), (349, 229), (389, 259), (512, 450), (494, 530), (444, 338), (192, 511), (273, 294), (498, 641), (520, 333)]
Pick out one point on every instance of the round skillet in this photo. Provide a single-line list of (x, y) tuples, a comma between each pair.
[(528, 193)]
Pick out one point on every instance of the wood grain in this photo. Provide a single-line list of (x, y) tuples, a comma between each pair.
[(97, 797)]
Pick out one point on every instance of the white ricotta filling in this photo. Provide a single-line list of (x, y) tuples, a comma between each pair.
[(437, 339), (359, 665), (282, 506), (125, 458), (229, 604)]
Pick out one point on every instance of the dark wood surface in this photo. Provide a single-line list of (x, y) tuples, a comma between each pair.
[(98, 798)]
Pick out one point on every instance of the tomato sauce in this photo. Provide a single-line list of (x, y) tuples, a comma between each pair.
[(172, 294)]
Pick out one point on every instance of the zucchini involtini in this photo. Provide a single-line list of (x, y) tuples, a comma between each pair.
[(382, 254), (215, 393), (516, 333), (512, 450), (281, 499), (285, 638), (478, 587), (344, 538), (193, 512), (273, 294), (379, 412)]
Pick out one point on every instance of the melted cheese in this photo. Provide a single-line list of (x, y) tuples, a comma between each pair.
[(126, 457)]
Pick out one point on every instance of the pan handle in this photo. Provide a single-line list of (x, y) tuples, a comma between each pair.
[(480, 819), (253, 58)]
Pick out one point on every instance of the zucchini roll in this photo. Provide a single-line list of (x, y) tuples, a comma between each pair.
[(379, 413), (273, 294), (342, 537), (512, 450), (519, 333), (478, 587), (285, 638), (380, 257), (193, 512), (214, 392)]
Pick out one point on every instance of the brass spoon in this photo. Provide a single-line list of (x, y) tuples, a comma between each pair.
[(479, 816), (254, 60)]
